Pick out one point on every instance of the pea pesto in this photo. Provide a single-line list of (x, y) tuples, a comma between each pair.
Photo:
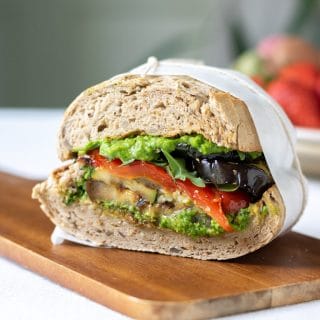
[(148, 148), (187, 221)]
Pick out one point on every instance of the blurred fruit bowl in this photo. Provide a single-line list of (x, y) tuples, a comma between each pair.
[(288, 68)]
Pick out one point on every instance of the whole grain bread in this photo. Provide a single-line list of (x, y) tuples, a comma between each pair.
[(156, 105), (87, 221)]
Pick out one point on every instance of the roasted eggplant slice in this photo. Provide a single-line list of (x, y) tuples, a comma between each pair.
[(230, 176), (227, 171)]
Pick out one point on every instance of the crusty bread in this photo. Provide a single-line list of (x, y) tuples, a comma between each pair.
[(160, 106), (156, 105), (87, 221)]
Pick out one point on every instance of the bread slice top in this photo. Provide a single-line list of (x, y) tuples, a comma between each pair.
[(156, 105)]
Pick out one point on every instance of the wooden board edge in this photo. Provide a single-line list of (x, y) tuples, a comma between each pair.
[(157, 310), (296, 293), (231, 305)]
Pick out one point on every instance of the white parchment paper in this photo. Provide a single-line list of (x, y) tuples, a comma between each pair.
[(275, 131)]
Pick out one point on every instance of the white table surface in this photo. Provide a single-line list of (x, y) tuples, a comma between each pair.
[(27, 144)]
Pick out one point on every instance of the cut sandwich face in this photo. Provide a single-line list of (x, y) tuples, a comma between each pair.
[(165, 164), (186, 184)]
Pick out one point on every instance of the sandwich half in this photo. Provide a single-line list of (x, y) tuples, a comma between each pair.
[(163, 164)]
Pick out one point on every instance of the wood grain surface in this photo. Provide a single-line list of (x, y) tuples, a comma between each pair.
[(153, 286)]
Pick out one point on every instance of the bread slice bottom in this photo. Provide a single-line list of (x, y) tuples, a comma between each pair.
[(87, 221)]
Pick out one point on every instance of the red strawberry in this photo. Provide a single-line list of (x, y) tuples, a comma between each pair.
[(299, 103), (303, 73)]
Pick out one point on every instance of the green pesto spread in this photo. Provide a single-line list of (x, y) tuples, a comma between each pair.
[(148, 148), (192, 223), (189, 221), (78, 190)]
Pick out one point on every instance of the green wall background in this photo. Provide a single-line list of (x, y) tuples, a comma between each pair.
[(52, 50)]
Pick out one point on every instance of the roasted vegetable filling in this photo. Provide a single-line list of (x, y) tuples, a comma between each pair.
[(187, 184)]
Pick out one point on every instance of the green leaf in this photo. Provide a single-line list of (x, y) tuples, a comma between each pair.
[(160, 163), (89, 146), (249, 155), (242, 155), (179, 171)]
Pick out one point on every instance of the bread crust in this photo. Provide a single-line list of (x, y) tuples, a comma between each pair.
[(156, 105), (87, 221)]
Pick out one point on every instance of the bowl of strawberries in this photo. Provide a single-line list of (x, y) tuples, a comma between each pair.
[(288, 68)]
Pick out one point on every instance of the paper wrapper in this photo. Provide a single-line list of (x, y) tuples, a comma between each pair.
[(275, 131)]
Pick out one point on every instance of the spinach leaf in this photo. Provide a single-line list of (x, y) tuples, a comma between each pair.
[(178, 170)]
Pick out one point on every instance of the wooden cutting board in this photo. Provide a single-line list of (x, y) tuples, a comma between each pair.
[(152, 286)]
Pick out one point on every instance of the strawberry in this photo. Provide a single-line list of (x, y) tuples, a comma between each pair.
[(303, 73), (300, 103)]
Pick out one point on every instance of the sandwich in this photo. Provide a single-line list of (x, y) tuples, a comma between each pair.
[(164, 164)]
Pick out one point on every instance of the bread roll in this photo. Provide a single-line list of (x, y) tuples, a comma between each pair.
[(167, 106)]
